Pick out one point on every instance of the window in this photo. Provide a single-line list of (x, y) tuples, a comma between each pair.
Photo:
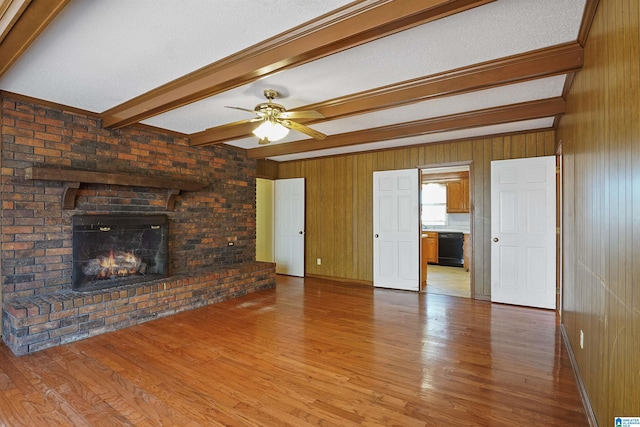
[(434, 204)]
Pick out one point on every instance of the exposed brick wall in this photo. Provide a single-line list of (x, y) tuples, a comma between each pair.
[(36, 231)]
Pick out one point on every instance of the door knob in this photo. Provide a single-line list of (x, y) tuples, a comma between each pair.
[(375, 235), (495, 239), (300, 232)]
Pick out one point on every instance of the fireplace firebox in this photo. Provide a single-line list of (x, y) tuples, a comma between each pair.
[(115, 250)]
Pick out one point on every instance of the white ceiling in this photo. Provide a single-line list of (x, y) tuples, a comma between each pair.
[(96, 55)]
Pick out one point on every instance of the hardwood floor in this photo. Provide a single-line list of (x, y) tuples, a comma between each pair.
[(310, 352)]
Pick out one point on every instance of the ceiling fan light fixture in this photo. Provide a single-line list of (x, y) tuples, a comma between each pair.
[(271, 130), (276, 120)]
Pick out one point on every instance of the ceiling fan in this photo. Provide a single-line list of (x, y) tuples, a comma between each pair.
[(276, 120)]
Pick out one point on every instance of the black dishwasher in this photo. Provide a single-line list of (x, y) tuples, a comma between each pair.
[(451, 249)]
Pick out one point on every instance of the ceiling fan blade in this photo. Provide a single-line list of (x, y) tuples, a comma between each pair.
[(308, 114), (304, 129), (241, 122), (238, 123), (241, 109)]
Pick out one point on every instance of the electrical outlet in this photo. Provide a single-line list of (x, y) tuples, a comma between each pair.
[(319, 261), (581, 339)]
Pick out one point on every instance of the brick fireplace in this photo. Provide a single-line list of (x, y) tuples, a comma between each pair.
[(211, 230)]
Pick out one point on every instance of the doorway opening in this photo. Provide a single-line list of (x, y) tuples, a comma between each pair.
[(445, 217)]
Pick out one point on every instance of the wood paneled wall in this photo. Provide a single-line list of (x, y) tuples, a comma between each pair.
[(267, 169), (339, 200), (600, 136)]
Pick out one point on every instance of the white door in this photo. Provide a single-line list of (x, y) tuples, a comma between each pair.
[(396, 230), (289, 226), (523, 231)]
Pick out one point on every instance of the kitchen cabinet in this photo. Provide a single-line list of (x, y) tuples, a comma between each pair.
[(431, 245), (458, 196), (423, 261)]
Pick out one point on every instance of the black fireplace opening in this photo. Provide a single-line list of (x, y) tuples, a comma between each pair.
[(116, 250)]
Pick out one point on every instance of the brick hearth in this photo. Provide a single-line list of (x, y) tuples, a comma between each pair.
[(212, 231), (42, 321)]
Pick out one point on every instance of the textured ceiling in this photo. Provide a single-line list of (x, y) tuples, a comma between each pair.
[(98, 55)]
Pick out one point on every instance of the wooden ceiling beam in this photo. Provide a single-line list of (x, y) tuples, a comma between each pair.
[(21, 22), (565, 58), (349, 26), (486, 117)]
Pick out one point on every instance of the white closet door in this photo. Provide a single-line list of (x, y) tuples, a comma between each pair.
[(396, 229), (523, 231), (289, 226)]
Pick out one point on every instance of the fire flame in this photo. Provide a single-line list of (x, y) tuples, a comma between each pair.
[(117, 264)]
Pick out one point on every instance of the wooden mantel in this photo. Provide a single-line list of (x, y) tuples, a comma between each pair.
[(73, 178)]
